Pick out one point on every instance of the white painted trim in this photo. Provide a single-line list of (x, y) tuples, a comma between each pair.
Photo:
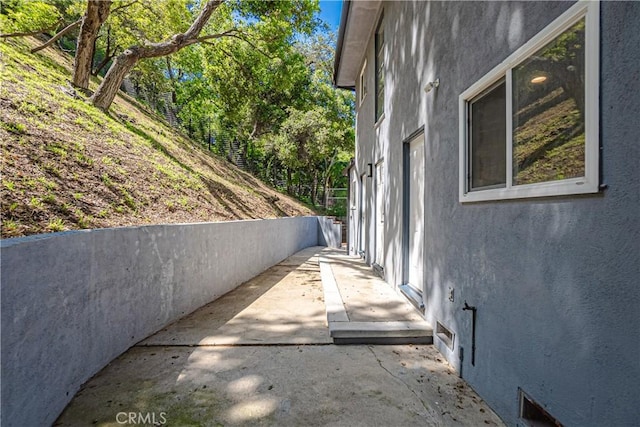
[(508, 96), (590, 10), (462, 147), (362, 83), (592, 97)]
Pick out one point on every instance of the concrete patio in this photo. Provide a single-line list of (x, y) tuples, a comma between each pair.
[(264, 355)]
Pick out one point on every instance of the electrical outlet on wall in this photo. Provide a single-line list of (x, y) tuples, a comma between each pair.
[(451, 294)]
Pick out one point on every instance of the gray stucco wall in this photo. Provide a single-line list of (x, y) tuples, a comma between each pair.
[(71, 302), (329, 232), (556, 280)]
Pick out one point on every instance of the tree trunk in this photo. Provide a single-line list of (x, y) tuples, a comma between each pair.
[(106, 92), (108, 55), (97, 12), (113, 79), (314, 188), (325, 190), (102, 64), (327, 178)]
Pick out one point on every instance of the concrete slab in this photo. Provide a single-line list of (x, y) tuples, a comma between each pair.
[(332, 299), (366, 297), (283, 305), (183, 376), (405, 329), (363, 309), (323, 385)]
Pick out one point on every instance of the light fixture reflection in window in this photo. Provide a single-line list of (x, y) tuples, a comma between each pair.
[(539, 79)]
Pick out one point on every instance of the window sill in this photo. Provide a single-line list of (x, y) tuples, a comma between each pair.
[(380, 120), (567, 187)]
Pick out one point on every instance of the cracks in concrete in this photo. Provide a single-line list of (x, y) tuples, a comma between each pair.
[(426, 408)]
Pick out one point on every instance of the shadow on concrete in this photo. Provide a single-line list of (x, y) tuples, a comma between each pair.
[(267, 375), (282, 305), (280, 385)]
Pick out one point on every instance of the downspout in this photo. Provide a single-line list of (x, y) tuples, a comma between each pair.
[(473, 310)]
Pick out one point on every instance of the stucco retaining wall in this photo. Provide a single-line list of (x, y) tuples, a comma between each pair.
[(72, 302), (329, 232)]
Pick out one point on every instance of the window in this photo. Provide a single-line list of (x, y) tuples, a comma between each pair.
[(379, 46), (529, 128), (363, 83), (488, 124)]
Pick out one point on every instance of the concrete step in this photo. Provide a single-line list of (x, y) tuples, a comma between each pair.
[(392, 332)]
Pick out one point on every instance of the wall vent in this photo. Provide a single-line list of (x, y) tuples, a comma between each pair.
[(445, 335), (378, 269), (532, 414)]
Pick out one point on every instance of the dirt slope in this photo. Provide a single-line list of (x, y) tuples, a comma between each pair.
[(66, 165)]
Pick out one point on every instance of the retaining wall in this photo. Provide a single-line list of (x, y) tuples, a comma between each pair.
[(72, 302), (329, 232)]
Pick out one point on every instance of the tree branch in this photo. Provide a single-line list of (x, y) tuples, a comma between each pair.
[(218, 35), (241, 36), (124, 63), (61, 33), (124, 6), (31, 33), (233, 33)]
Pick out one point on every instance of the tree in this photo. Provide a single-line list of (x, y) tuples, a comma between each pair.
[(25, 18), (280, 18), (124, 63), (97, 12), (254, 75)]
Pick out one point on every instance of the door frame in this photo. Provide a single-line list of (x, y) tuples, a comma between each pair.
[(414, 295), (379, 211), (361, 217)]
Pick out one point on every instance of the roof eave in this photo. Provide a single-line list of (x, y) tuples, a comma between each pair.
[(357, 23), (344, 16)]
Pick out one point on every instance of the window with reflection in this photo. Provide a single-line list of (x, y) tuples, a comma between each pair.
[(548, 111), (529, 128)]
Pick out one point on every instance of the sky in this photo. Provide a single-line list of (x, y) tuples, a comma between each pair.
[(330, 12)]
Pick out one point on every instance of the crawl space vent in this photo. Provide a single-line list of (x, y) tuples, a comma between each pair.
[(445, 335), (532, 414)]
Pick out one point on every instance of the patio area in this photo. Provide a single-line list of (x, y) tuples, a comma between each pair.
[(264, 354)]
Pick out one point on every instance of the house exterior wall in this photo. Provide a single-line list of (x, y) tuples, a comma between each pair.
[(556, 281)]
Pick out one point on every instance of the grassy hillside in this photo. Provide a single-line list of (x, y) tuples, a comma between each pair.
[(67, 165)]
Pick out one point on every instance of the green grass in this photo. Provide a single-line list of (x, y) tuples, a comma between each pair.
[(17, 128), (77, 167), (9, 227), (36, 203), (55, 225), (49, 198)]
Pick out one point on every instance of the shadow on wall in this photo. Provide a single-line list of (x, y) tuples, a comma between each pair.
[(548, 275), (329, 232), (73, 301)]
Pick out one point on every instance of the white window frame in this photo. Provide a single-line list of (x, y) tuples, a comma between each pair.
[(589, 183), (363, 83), (379, 60)]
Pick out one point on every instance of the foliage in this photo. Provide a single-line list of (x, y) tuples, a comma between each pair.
[(256, 88), (28, 16), (68, 160)]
